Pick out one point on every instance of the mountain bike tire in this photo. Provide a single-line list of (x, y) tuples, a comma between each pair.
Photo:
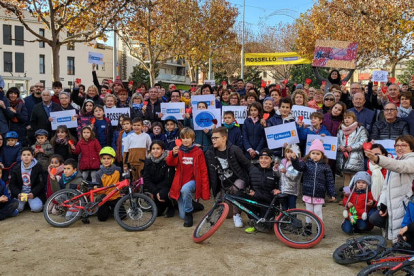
[(209, 224), (381, 268)]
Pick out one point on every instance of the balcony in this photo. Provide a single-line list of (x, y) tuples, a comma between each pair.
[(171, 78)]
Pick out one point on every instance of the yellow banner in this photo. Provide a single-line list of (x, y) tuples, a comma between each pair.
[(261, 59)]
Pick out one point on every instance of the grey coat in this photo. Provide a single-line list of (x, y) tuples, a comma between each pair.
[(355, 162)]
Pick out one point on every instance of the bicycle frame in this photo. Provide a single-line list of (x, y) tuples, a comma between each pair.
[(398, 267)]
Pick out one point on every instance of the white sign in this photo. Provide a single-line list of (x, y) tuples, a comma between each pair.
[(96, 58), (173, 109), (205, 118), (210, 100), (113, 114), (240, 113), (211, 82), (67, 118), (277, 136), (380, 76), (330, 144), (299, 110), (388, 145)]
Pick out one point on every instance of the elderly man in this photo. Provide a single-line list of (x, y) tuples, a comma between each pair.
[(365, 116), (249, 86), (40, 118), (391, 127), (392, 95), (34, 98), (356, 88), (153, 111)]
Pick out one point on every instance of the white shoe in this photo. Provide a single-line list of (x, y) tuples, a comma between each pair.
[(238, 222)]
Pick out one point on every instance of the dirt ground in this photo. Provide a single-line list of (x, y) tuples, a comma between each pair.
[(30, 246)]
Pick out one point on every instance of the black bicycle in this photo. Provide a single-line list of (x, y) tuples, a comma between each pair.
[(296, 228)]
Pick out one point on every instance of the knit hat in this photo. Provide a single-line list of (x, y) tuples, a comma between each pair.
[(364, 176), (329, 94), (299, 86), (118, 81), (317, 145)]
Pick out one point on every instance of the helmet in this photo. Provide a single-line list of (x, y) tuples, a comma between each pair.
[(107, 151), (12, 134), (170, 118)]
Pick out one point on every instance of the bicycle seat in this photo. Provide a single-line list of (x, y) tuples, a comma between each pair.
[(90, 184)]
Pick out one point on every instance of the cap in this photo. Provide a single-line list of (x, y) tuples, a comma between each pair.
[(41, 132), (266, 152)]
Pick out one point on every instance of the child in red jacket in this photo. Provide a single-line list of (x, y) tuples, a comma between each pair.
[(89, 148), (358, 204), (190, 176)]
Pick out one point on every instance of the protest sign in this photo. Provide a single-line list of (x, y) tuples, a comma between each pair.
[(67, 118), (173, 109), (210, 100), (330, 144), (277, 136), (388, 145), (334, 53), (260, 59), (206, 118), (113, 114), (211, 82), (96, 58), (240, 113), (299, 110), (380, 76)]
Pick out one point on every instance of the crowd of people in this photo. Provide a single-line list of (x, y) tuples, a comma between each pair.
[(37, 161)]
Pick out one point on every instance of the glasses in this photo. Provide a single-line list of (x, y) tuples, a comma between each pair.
[(215, 138), (330, 99), (401, 146), (390, 109), (175, 96), (38, 86)]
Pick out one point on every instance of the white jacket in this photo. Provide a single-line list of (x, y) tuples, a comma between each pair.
[(397, 189)]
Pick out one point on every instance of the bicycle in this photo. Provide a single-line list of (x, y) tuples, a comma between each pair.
[(390, 268), (8, 169), (373, 250), (133, 211), (289, 226)]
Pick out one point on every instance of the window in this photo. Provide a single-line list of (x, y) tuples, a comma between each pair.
[(71, 45), (19, 62), (7, 35), (43, 82), (71, 66), (103, 66), (8, 61), (42, 64), (18, 35), (42, 33)]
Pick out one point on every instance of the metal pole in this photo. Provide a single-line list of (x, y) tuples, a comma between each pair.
[(115, 58), (242, 53)]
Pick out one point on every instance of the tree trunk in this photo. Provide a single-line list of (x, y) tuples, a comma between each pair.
[(55, 62), (191, 72), (152, 74), (393, 65)]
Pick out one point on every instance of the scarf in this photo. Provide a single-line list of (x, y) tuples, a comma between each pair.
[(186, 149), (67, 179), (377, 180), (403, 112), (185, 101), (229, 126), (397, 102), (137, 106), (15, 103), (349, 129), (63, 141), (159, 159), (255, 119), (315, 130)]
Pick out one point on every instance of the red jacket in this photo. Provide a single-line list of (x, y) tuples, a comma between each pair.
[(200, 173), (90, 154), (359, 202)]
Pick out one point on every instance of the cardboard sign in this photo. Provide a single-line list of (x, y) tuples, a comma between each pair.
[(204, 118), (299, 110), (176, 110), (388, 145), (66, 118), (211, 82), (210, 100), (261, 59), (330, 144), (96, 58), (240, 113), (277, 136), (380, 76), (113, 114), (334, 53)]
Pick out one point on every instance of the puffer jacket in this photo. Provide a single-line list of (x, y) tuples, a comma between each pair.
[(89, 151), (317, 178), (253, 137), (20, 121), (171, 137), (158, 177), (290, 180), (358, 199), (355, 162), (263, 181), (397, 191), (383, 130)]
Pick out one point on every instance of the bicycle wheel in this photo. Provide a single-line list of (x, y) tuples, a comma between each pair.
[(210, 222), (131, 216), (381, 268), (295, 228), (359, 250), (60, 216)]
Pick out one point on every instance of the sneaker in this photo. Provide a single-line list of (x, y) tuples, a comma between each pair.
[(250, 230), (14, 213), (188, 219), (238, 222)]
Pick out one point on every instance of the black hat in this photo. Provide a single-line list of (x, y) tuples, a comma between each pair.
[(266, 152)]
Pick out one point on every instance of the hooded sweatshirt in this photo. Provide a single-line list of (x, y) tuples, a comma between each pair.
[(26, 176)]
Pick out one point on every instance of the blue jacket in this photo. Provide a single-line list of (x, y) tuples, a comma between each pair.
[(278, 120), (30, 102), (160, 137), (409, 214), (410, 121), (9, 155), (171, 136), (235, 136), (303, 132), (3, 190), (317, 178), (253, 136), (365, 117), (5, 114)]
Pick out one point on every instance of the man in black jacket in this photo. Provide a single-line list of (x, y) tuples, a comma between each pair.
[(391, 127), (234, 165), (153, 109)]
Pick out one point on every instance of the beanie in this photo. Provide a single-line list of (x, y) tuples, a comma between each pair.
[(317, 145)]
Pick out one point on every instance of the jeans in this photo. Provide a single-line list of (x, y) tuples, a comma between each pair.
[(290, 202), (185, 201), (348, 228), (7, 208), (36, 205)]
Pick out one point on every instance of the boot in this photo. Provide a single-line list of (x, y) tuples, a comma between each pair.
[(170, 212), (308, 229), (188, 219)]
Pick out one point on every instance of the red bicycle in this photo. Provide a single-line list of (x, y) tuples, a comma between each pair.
[(8, 169), (133, 212)]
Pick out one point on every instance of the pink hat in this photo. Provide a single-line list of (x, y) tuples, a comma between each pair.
[(317, 145), (118, 81)]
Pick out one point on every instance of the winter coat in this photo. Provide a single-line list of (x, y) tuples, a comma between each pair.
[(358, 198), (317, 178), (365, 117), (43, 157), (79, 100), (355, 162), (109, 132), (19, 122), (58, 185), (158, 178), (135, 112), (200, 173), (278, 120), (159, 137), (37, 180), (409, 214), (9, 155), (151, 113), (40, 119), (397, 189), (383, 130), (235, 137), (303, 132), (331, 123), (5, 114), (89, 159), (30, 102), (253, 137), (410, 121), (63, 150), (238, 163), (263, 181), (290, 180), (171, 137)]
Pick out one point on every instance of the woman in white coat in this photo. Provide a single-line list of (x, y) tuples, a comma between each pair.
[(397, 187)]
